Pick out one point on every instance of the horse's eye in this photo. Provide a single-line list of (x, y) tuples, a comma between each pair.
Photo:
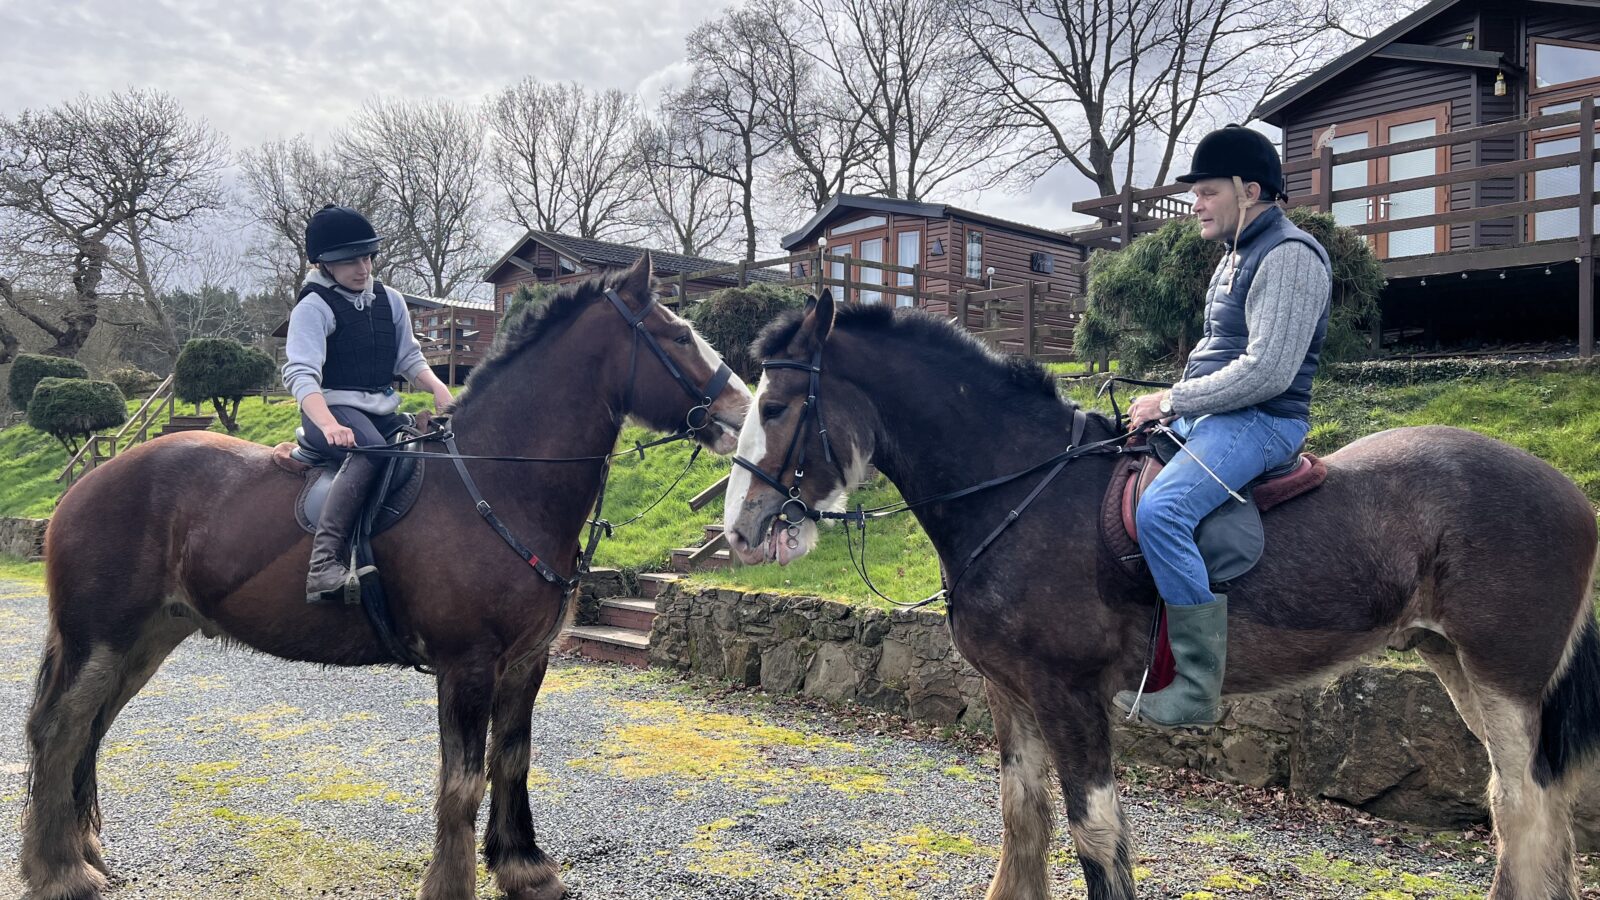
[(684, 339), (772, 410)]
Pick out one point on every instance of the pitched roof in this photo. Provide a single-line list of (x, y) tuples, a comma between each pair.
[(609, 254), (809, 230), (1271, 110)]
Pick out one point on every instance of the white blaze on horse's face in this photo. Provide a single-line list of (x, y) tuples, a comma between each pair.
[(750, 506)]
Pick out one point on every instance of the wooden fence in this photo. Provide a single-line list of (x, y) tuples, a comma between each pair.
[(1035, 318), (1135, 212)]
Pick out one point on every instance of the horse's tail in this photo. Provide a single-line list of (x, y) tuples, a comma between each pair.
[(1569, 727)]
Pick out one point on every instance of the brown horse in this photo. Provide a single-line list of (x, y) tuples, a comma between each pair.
[(1472, 552), (197, 532)]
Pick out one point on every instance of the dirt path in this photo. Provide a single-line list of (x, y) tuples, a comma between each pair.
[(237, 775)]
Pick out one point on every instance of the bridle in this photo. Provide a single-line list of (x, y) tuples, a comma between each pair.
[(795, 511), (699, 416)]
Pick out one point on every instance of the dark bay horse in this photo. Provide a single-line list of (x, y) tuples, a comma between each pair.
[(197, 532), (1474, 553)]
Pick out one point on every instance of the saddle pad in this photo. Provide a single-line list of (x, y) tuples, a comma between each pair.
[(405, 483)]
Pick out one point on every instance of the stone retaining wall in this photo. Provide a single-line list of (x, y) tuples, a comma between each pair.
[(22, 537), (1385, 739)]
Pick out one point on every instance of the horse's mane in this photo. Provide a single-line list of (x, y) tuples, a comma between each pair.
[(528, 326), (939, 340)]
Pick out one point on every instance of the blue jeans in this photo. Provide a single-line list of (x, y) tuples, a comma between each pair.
[(1238, 446)]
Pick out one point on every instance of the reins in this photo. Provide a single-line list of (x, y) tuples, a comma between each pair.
[(795, 510)]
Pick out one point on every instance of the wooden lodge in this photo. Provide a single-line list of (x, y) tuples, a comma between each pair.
[(455, 334), (1461, 143), (545, 257)]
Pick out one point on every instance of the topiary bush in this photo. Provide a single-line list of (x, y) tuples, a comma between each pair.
[(221, 372), (133, 381), (730, 319), (28, 368), (72, 409), (1147, 302)]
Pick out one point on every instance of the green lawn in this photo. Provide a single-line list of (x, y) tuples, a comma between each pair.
[(14, 569), (1553, 415)]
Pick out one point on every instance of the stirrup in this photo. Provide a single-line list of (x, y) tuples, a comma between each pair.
[(352, 584)]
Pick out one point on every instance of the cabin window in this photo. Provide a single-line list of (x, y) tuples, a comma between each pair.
[(567, 266), (840, 271), (975, 255), (938, 247), (798, 270), (861, 225), (464, 321), (871, 251), (1562, 182), (1043, 263), (908, 252), (1558, 64)]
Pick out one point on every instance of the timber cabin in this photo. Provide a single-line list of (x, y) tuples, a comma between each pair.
[(969, 249), (1450, 66), (455, 334), (545, 257)]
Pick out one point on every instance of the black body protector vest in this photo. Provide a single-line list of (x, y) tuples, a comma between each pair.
[(364, 345)]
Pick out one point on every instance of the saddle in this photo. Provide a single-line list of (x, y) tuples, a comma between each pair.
[(397, 490), (1231, 539)]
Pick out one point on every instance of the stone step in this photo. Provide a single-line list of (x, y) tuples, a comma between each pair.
[(608, 643), (651, 584), (628, 612), (683, 560), (712, 532)]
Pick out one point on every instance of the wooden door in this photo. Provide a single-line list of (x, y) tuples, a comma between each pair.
[(1377, 131)]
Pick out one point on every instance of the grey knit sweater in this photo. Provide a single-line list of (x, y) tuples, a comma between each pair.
[(1287, 297)]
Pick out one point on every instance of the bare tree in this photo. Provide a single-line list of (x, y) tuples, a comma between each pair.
[(567, 159), (1090, 84), (691, 209), (826, 143), (902, 66), (426, 160), (726, 98), (78, 181), (285, 182)]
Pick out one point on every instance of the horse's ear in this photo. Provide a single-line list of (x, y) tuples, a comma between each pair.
[(818, 321), (636, 281)]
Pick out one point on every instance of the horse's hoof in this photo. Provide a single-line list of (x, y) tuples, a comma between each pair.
[(532, 880), (82, 882)]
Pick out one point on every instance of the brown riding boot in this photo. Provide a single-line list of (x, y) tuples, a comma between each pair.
[(330, 580)]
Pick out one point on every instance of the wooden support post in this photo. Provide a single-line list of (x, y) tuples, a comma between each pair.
[(1586, 208), (916, 287), (1027, 320), (1127, 215), (961, 308), (744, 273), (820, 272), (683, 289), (452, 332), (1325, 168)]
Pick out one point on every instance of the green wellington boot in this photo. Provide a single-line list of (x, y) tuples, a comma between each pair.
[(1199, 637)]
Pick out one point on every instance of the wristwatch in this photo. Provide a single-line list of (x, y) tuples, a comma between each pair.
[(1166, 404)]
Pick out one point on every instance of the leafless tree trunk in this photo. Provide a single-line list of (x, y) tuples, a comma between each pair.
[(725, 98), (426, 160), (902, 66), (1090, 84), (74, 179), (566, 159), (691, 209), (827, 146)]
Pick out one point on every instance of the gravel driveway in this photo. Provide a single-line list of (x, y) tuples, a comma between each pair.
[(238, 775)]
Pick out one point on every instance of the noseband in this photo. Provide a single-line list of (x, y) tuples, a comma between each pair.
[(700, 415), (794, 510)]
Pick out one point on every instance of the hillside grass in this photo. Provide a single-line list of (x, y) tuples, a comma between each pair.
[(1555, 416)]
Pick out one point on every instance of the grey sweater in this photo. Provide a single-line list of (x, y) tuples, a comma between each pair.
[(1287, 298), (309, 326)]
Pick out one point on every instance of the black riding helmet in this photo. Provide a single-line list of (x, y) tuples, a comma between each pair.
[(337, 233), (1238, 151)]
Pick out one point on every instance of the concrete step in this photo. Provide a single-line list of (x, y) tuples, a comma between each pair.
[(683, 560), (651, 584), (628, 612), (608, 643), (712, 532)]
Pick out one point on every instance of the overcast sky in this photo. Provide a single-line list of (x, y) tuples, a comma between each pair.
[(267, 70)]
